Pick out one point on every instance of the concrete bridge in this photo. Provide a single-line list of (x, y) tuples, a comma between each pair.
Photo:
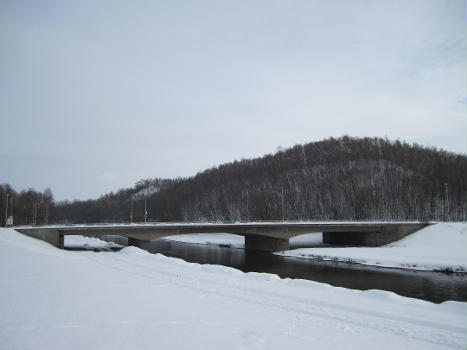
[(267, 236)]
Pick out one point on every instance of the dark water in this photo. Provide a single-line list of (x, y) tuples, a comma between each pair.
[(432, 286)]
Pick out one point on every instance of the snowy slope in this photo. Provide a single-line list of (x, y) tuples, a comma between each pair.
[(437, 247), (50, 298)]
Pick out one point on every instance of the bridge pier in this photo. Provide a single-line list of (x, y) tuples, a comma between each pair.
[(139, 243), (267, 244)]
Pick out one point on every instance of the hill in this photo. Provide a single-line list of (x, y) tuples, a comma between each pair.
[(335, 179)]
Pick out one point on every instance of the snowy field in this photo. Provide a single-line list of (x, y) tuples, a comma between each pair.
[(51, 298), (437, 247)]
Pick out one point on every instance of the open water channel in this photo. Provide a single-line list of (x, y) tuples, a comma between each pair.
[(432, 286)]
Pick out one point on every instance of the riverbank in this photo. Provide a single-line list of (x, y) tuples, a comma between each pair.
[(77, 242), (236, 241), (439, 247), (50, 298)]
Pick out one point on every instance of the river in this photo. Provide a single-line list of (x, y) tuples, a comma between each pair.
[(431, 286)]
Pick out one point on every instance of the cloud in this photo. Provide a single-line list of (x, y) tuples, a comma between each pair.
[(119, 91)]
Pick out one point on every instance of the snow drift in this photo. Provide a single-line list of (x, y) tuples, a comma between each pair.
[(52, 299)]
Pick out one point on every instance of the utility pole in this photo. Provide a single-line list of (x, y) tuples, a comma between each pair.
[(131, 208), (10, 219), (247, 209), (282, 200), (446, 205), (35, 206), (46, 213), (6, 210), (145, 211)]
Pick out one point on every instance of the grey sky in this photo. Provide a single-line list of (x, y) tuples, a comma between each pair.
[(95, 95)]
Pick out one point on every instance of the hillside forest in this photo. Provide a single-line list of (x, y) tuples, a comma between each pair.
[(343, 178)]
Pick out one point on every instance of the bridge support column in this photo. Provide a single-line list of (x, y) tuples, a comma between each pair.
[(267, 244), (139, 243)]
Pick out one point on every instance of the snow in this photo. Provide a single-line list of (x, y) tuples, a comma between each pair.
[(51, 298), (91, 243), (220, 239), (442, 246), (236, 241), (309, 239)]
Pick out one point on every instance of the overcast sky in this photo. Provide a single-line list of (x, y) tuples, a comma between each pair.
[(95, 95)]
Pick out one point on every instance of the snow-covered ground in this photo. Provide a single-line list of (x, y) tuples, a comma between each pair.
[(90, 243), (220, 239), (442, 246), (51, 298)]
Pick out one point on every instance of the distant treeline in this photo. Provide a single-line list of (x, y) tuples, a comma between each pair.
[(27, 207), (335, 179)]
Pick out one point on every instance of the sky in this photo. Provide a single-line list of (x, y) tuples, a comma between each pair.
[(96, 95)]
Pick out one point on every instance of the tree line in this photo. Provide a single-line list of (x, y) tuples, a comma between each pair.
[(335, 179), (28, 207)]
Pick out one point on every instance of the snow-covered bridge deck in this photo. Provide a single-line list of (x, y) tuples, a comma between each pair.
[(269, 236)]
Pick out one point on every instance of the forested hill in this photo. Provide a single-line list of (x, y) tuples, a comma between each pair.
[(335, 179)]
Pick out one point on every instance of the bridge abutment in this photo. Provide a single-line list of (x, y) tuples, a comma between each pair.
[(267, 244), (51, 236), (139, 243)]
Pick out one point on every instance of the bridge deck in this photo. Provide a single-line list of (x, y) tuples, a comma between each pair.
[(356, 233)]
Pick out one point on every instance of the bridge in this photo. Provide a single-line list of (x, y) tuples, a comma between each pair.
[(266, 236)]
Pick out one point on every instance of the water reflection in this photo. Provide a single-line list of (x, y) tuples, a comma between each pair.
[(432, 286), (436, 287)]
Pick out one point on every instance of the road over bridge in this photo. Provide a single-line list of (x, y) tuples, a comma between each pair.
[(268, 236)]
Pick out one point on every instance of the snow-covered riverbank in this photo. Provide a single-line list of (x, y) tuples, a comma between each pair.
[(89, 243), (220, 239), (236, 241), (441, 247), (50, 298)]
